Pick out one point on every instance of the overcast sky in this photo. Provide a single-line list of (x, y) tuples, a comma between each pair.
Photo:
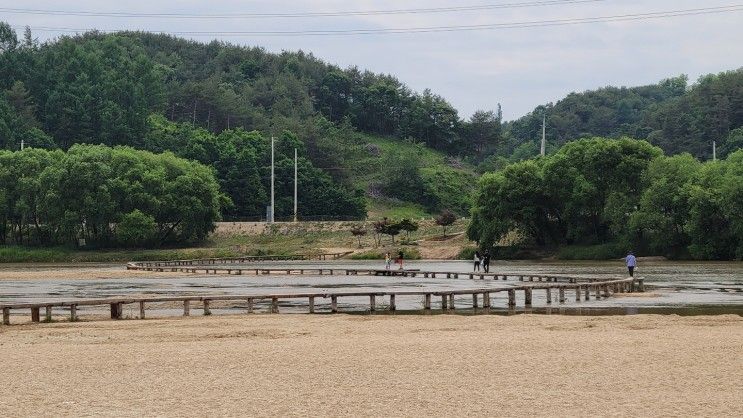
[(520, 68)]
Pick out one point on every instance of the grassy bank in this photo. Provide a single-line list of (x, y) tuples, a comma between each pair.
[(235, 239), (68, 255)]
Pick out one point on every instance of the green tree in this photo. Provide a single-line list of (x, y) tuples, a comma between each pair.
[(408, 226), (136, 229), (446, 219), (660, 221)]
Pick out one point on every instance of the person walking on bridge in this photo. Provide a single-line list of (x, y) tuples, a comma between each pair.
[(631, 263), (477, 261), (486, 261)]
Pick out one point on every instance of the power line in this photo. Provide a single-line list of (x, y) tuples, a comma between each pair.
[(297, 14), (432, 29)]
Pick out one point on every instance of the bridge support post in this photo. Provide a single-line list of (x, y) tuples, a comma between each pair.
[(443, 302), (392, 303), (312, 304), (116, 310), (511, 298), (587, 292), (6, 316), (73, 313), (527, 298), (141, 309), (486, 300), (577, 293), (474, 301), (274, 305), (561, 295), (186, 307), (427, 301), (372, 303), (549, 295), (250, 305), (35, 315), (207, 311), (48, 317), (334, 304), (451, 301)]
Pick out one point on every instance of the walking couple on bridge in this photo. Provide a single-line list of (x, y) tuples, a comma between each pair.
[(484, 259), (388, 260)]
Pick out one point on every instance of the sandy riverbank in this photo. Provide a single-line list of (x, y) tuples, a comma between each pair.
[(359, 365), (75, 272)]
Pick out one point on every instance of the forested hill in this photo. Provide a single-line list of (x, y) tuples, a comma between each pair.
[(672, 114), (200, 101), (366, 141)]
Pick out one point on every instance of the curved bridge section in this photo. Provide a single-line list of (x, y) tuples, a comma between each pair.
[(599, 289), (239, 266)]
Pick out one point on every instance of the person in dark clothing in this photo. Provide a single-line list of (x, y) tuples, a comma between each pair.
[(399, 258), (486, 261)]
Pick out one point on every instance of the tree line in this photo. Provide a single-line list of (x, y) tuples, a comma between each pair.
[(209, 101), (104, 197), (101, 88), (623, 192), (158, 92), (674, 115)]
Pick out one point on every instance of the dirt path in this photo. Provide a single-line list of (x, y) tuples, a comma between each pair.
[(276, 365)]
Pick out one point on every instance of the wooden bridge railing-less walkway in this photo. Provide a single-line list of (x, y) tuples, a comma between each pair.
[(238, 260), (237, 271), (599, 289)]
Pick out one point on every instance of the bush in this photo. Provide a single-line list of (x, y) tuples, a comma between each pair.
[(591, 252), (136, 229), (408, 253), (467, 253)]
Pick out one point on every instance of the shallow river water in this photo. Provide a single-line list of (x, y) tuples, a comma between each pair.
[(672, 287)]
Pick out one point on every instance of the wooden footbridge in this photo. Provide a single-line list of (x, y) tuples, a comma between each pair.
[(208, 268), (483, 294)]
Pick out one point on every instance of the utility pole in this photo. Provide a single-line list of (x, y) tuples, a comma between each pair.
[(295, 185), (273, 208), (714, 150), (544, 132)]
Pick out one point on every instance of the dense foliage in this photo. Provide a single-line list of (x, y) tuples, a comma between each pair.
[(106, 196), (242, 161), (598, 191), (217, 103), (671, 114)]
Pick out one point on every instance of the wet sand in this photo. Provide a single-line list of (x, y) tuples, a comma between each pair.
[(41, 272), (274, 365)]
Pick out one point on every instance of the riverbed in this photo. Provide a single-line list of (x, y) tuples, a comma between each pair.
[(672, 287)]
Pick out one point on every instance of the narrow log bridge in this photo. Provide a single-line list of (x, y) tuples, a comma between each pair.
[(204, 268), (144, 265), (598, 289)]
